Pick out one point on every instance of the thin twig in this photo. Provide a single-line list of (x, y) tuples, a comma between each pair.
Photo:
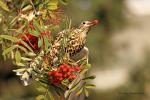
[(33, 6)]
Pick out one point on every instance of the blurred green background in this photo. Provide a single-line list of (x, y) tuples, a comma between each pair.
[(119, 51)]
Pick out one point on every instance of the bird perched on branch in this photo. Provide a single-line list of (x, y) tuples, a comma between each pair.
[(70, 41)]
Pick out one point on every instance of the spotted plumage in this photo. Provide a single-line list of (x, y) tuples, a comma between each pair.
[(75, 39)]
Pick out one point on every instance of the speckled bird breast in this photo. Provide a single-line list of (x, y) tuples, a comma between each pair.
[(75, 44)]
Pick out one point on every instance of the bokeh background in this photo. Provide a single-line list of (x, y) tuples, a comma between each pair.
[(119, 51)]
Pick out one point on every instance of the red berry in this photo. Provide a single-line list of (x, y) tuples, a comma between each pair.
[(71, 70), (61, 67), (77, 68), (65, 70), (61, 79), (68, 73), (64, 75), (50, 73), (73, 76)]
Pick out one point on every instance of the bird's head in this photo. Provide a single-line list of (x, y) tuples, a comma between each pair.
[(85, 25)]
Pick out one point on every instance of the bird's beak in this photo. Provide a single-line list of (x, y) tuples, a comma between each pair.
[(93, 22)]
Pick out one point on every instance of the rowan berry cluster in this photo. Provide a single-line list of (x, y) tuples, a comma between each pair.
[(63, 72)]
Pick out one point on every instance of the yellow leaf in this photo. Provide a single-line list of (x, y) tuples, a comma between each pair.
[(3, 5), (53, 5)]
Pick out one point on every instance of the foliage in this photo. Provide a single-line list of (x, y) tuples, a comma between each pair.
[(28, 36)]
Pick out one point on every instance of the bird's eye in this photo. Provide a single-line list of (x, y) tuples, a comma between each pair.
[(83, 23)]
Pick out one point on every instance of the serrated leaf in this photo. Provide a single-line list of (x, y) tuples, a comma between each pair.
[(9, 49), (40, 42), (40, 97), (4, 6), (8, 37), (90, 86), (89, 78), (17, 56)]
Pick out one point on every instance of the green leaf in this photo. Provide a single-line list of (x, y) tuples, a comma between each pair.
[(46, 42), (50, 95), (86, 92), (90, 86), (75, 86), (26, 59), (8, 37), (40, 97), (9, 49), (88, 66), (17, 56), (83, 71), (40, 42), (23, 49), (20, 64), (79, 92), (3, 6), (34, 32), (53, 5), (28, 7), (41, 89), (65, 2), (37, 26), (89, 78), (31, 54)]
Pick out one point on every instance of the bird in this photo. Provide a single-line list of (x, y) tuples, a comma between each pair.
[(74, 38), (75, 41)]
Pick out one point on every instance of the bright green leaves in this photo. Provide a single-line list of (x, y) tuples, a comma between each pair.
[(40, 42), (3, 6), (53, 4), (46, 42)]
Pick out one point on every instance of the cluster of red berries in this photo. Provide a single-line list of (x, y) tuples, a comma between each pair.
[(31, 40), (63, 72)]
